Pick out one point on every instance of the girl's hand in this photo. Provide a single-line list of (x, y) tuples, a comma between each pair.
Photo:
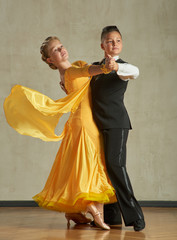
[(63, 87)]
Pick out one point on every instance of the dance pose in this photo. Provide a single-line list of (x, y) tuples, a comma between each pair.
[(78, 181), (113, 121)]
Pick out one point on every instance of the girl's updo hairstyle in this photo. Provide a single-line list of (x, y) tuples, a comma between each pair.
[(44, 51)]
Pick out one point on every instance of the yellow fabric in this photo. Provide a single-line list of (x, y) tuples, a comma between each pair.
[(78, 175), (34, 114)]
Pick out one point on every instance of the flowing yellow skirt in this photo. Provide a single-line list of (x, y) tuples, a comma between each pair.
[(78, 175)]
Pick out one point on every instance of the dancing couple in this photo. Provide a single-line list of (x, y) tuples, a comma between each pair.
[(89, 172)]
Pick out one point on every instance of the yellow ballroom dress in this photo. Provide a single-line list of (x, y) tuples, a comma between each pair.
[(78, 175)]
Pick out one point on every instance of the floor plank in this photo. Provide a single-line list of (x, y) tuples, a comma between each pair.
[(39, 224)]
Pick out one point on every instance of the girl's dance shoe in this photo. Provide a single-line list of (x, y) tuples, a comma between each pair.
[(78, 218), (91, 208)]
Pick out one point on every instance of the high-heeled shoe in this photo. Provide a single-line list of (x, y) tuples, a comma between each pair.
[(91, 208), (99, 207), (78, 218)]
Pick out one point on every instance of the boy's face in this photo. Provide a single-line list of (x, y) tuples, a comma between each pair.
[(112, 44)]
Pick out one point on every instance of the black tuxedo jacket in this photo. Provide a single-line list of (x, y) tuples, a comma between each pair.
[(108, 100)]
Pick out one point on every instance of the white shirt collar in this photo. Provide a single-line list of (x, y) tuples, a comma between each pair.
[(116, 58)]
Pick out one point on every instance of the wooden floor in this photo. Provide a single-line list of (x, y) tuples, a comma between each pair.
[(39, 224)]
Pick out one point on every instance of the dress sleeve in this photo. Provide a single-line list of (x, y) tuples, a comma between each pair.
[(77, 70)]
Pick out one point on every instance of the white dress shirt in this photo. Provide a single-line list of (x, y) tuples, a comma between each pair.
[(127, 71)]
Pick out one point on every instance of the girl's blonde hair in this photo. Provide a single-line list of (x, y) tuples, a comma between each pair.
[(44, 51)]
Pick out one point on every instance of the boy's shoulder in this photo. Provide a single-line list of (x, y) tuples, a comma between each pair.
[(120, 61), (96, 63)]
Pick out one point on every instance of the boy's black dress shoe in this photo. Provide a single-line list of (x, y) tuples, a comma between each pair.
[(139, 225)]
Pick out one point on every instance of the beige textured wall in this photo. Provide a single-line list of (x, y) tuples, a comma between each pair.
[(149, 36)]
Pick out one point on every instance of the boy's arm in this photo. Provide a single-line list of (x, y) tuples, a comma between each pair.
[(127, 71)]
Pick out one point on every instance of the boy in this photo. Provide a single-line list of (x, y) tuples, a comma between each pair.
[(113, 121)]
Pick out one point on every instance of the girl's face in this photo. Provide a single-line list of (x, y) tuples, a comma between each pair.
[(112, 44), (57, 53)]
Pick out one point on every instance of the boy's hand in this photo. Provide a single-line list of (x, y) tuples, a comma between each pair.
[(111, 64)]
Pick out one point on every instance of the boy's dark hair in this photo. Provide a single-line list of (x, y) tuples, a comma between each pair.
[(109, 29)]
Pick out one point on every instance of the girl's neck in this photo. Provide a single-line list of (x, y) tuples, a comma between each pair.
[(63, 66)]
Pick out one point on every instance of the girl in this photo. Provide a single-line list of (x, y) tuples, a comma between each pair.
[(78, 181)]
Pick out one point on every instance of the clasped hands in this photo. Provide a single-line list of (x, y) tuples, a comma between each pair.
[(111, 64)]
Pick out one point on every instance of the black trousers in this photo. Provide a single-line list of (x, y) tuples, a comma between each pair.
[(115, 157)]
